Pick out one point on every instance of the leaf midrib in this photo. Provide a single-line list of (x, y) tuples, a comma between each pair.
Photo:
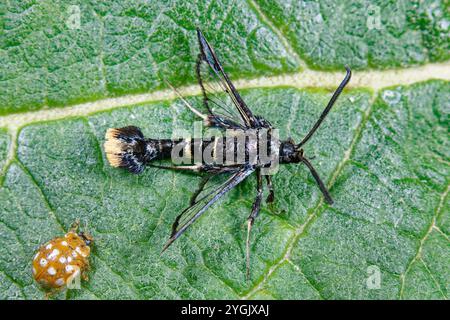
[(372, 79), (307, 78)]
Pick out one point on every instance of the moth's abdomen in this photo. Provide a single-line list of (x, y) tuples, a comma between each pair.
[(127, 148), (232, 150)]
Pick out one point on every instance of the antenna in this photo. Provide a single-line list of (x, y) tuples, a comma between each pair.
[(328, 108)]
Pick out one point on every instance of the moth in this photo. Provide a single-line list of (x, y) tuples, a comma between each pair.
[(229, 160)]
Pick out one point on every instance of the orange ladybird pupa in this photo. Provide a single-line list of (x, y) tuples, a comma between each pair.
[(59, 261)]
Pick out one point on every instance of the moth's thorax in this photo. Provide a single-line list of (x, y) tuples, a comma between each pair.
[(289, 153)]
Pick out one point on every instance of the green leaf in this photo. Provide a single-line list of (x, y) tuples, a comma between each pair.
[(56, 53), (384, 153), (51, 58), (389, 157), (375, 34)]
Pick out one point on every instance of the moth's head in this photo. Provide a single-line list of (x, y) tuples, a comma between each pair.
[(290, 152), (126, 148)]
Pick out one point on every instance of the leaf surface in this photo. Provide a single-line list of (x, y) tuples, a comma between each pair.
[(384, 154)]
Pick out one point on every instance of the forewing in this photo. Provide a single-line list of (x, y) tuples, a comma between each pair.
[(216, 100), (215, 188), (221, 96)]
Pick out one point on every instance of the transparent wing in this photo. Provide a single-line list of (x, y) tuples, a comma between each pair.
[(220, 96), (217, 102), (215, 187)]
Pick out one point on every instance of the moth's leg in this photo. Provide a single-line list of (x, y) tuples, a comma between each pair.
[(271, 196), (193, 168), (255, 212), (195, 111), (200, 188)]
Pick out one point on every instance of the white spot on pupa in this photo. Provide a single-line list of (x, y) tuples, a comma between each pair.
[(49, 246), (69, 259), (53, 255), (64, 243), (59, 282), (62, 259), (34, 270), (83, 254), (51, 271), (74, 254), (391, 97), (36, 256), (43, 262), (69, 268)]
